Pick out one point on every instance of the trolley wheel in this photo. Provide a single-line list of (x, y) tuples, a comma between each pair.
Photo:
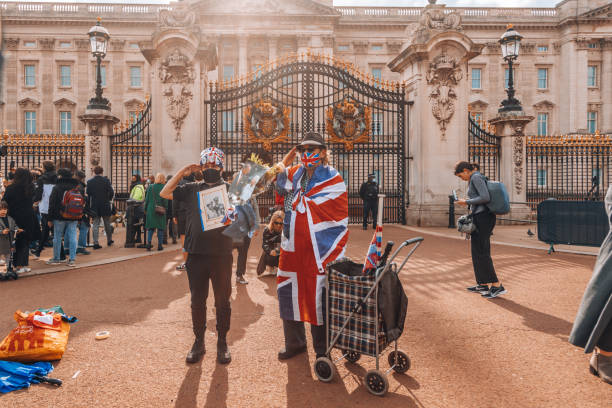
[(324, 369), (377, 383), (403, 361), (352, 356)]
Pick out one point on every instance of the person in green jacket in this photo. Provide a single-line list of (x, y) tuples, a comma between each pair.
[(155, 210)]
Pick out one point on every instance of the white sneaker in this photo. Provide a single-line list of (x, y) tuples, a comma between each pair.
[(23, 270), (2, 262)]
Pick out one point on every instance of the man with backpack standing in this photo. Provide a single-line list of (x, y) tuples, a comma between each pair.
[(369, 194), (100, 193), (66, 206), (44, 186)]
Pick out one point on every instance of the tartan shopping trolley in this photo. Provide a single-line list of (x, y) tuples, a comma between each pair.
[(355, 325)]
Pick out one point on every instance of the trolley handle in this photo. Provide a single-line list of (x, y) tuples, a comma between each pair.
[(413, 241)]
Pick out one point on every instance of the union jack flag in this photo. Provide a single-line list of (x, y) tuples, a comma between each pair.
[(316, 235), (375, 250)]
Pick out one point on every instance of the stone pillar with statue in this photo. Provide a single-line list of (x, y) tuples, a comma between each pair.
[(98, 127), (433, 68), (181, 57)]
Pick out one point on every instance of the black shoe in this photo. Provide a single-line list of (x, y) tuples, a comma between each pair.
[(495, 291), (197, 351), (223, 353), (142, 246), (478, 288), (83, 251), (160, 248), (165, 242), (97, 246), (240, 280), (129, 246), (110, 243), (149, 247), (138, 241), (174, 241), (285, 354)]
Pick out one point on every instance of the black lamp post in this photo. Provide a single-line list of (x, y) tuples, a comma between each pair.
[(98, 39), (510, 45)]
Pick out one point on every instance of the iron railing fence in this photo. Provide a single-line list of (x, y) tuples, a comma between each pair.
[(483, 147), (130, 153), (570, 167)]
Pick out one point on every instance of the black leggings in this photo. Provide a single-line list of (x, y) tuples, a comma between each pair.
[(481, 248), (605, 341)]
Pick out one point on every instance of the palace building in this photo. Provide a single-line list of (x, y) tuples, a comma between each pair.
[(407, 75)]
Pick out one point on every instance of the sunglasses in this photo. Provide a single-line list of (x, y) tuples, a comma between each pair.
[(308, 149), (277, 223)]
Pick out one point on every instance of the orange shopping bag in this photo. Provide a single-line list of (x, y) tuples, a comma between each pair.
[(39, 336)]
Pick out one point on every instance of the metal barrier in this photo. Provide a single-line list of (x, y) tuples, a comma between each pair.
[(572, 223)]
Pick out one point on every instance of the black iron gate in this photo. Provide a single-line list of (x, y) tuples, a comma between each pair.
[(131, 153), (483, 148), (363, 120)]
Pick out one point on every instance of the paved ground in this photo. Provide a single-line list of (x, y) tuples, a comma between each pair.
[(466, 351)]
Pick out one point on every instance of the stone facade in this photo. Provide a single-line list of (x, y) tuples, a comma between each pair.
[(448, 57)]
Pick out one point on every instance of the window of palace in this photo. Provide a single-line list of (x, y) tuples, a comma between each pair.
[(476, 75), (592, 76), (343, 47), (227, 123), (65, 44), (542, 176), (228, 72), (596, 173), (377, 47), (29, 75), (542, 124), (542, 78), (592, 121), (542, 48), (29, 44), (133, 46), (135, 77), (29, 122), (65, 76), (507, 77), (377, 74), (65, 123), (592, 45)]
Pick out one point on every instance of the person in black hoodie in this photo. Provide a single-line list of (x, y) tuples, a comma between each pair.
[(100, 193), (42, 192), (63, 199)]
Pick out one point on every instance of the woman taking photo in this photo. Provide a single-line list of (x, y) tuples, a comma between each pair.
[(484, 220), (18, 195), (155, 210), (314, 234)]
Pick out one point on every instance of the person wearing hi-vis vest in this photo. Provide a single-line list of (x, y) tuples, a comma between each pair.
[(135, 212)]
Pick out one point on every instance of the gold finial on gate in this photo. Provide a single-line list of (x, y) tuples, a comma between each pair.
[(6, 134)]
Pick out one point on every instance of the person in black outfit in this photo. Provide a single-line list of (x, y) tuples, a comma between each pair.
[(271, 243), (100, 193), (42, 192), (179, 220), (369, 194), (170, 221), (209, 254), (19, 196), (484, 220)]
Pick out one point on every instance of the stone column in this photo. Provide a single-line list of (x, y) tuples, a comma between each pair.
[(434, 68), (243, 67), (606, 88), (272, 47), (303, 43), (98, 127)]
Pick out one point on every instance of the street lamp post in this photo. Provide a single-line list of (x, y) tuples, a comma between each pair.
[(510, 45), (98, 39)]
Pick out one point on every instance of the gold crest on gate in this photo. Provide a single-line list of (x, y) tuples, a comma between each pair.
[(349, 122), (267, 122)]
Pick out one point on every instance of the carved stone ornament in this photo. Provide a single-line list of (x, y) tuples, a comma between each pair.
[(11, 43), (94, 149), (443, 75), (436, 19), (82, 44), (47, 43), (177, 74), (180, 17), (518, 144), (267, 122), (349, 122)]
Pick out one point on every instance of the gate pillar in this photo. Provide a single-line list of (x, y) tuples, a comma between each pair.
[(98, 127), (510, 127), (434, 70), (181, 58)]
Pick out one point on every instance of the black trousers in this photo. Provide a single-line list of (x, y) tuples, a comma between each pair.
[(217, 269), (605, 341), (243, 251), (133, 217), (370, 206), (481, 248), (46, 230), (295, 336), (22, 251)]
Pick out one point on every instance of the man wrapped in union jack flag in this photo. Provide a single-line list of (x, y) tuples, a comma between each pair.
[(314, 233)]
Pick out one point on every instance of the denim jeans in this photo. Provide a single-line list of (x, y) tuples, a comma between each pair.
[(160, 236), (83, 231), (68, 230)]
